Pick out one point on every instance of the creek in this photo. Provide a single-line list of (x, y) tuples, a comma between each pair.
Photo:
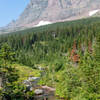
[(48, 93)]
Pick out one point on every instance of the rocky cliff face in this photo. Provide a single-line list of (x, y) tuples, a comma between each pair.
[(53, 11)]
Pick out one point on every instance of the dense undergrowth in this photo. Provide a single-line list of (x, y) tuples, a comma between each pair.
[(70, 53)]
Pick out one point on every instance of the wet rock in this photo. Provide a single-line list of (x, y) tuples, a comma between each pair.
[(40, 68), (28, 88), (31, 89), (26, 82), (31, 83), (38, 91), (33, 78), (48, 88)]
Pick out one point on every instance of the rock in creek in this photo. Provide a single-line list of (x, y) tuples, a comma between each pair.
[(38, 91)]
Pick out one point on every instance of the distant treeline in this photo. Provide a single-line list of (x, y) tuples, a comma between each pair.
[(38, 44)]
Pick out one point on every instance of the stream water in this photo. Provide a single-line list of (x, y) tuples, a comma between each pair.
[(46, 95)]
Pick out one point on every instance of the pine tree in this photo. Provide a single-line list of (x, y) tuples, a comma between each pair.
[(8, 74), (97, 49), (6, 54)]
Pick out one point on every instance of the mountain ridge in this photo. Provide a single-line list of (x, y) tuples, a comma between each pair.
[(52, 11)]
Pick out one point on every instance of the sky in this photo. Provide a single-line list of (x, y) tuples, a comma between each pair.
[(10, 10)]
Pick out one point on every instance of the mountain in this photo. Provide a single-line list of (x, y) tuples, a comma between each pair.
[(51, 11)]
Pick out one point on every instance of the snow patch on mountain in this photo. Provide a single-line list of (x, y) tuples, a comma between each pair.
[(91, 13), (42, 23)]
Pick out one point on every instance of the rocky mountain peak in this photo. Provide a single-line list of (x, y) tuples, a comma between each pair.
[(53, 11)]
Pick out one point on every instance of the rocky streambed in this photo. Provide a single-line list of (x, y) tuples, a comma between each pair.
[(41, 92)]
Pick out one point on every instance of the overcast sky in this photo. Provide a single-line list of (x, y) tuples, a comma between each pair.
[(10, 10)]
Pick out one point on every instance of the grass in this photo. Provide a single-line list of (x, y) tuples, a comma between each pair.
[(25, 72)]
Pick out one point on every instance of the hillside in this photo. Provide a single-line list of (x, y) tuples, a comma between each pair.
[(58, 37), (69, 53)]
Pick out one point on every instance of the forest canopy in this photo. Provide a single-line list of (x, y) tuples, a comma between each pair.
[(69, 52)]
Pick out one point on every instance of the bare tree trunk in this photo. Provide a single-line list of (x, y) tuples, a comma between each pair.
[(0, 85), (1, 80)]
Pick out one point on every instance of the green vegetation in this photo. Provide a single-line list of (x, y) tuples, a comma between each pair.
[(13, 75), (24, 72), (68, 51)]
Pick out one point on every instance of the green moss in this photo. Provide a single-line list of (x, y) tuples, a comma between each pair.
[(24, 71)]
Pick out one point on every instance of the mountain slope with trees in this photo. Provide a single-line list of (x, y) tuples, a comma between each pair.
[(69, 52)]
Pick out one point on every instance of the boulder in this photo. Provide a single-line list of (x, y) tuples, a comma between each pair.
[(33, 78), (26, 82), (38, 91), (48, 88)]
